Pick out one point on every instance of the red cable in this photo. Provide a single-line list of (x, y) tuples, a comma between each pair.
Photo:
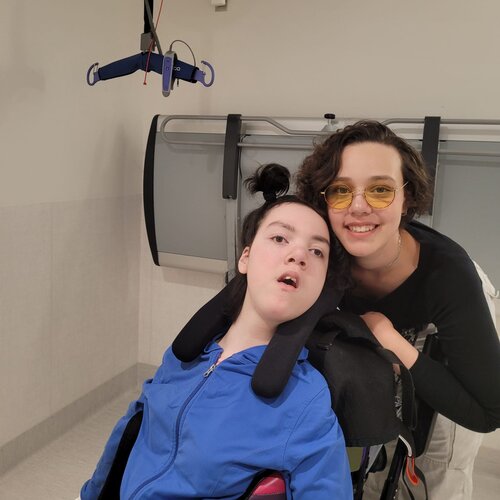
[(410, 471), (147, 62), (151, 45)]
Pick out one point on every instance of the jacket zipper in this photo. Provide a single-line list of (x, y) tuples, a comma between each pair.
[(210, 370), (206, 374)]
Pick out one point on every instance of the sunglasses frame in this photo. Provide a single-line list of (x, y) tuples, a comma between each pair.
[(353, 193)]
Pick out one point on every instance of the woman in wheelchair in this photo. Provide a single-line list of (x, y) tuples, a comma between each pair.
[(202, 431)]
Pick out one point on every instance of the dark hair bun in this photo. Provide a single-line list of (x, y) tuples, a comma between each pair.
[(272, 179)]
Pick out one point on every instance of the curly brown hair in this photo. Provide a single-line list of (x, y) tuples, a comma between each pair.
[(320, 168)]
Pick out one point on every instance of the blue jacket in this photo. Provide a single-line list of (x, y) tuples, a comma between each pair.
[(205, 434)]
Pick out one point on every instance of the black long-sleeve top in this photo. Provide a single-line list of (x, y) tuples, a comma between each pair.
[(446, 290)]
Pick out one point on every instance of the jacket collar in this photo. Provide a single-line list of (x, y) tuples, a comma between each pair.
[(252, 353)]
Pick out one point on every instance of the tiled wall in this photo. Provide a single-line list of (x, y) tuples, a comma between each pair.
[(168, 298), (69, 275)]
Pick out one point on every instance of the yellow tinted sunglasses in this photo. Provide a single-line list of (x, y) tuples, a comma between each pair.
[(378, 195)]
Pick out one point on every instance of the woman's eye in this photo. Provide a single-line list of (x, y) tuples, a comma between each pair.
[(341, 189), (380, 189), (279, 239), (317, 252)]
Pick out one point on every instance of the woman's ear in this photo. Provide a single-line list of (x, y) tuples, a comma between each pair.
[(406, 203), (243, 262)]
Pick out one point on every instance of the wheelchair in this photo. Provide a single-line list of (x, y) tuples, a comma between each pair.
[(270, 485)]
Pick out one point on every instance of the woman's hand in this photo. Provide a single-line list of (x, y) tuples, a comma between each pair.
[(384, 331), (381, 327)]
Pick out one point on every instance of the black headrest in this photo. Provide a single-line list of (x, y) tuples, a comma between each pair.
[(357, 369), (203, 327), (274, 369)]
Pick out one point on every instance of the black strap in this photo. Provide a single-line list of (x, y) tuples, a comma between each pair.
[(208, 322), (149, 26), (348, 322), (391, 485), (148, 21), (430, 145), (276, 364), (111, 488), (409, 411), (231, 157)]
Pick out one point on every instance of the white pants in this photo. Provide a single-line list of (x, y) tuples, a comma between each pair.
[(489, 292), (448, 461), (447, 465)]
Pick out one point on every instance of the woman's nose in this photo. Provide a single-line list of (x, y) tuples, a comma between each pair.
[(298, 256), (359, 203)]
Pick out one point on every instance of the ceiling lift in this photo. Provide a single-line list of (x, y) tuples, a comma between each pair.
[(168, 65)]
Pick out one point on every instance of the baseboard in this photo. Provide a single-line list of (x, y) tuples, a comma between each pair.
[(24, 445), (145, 371)]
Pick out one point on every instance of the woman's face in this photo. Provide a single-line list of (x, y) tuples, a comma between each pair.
[(366, 232), (286, 264)]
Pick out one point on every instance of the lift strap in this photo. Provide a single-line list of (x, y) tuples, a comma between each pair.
[(149, 29), (129, 65)]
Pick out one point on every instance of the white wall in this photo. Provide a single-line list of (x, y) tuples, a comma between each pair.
[(356, 58), (390, 58), (71, 155), (70, 205), (61, 139)]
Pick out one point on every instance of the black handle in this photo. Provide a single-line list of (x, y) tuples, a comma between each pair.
[(430, 145), (148, 190), (231, 157)]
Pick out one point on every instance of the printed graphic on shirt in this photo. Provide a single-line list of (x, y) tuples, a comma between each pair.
[(416, 336)]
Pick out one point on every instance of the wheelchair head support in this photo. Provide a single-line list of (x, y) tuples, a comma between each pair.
[(357, 369)]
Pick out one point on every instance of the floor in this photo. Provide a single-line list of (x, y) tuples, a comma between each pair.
[(57, 471)]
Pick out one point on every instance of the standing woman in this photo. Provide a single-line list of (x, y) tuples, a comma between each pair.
[(406, 275)]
